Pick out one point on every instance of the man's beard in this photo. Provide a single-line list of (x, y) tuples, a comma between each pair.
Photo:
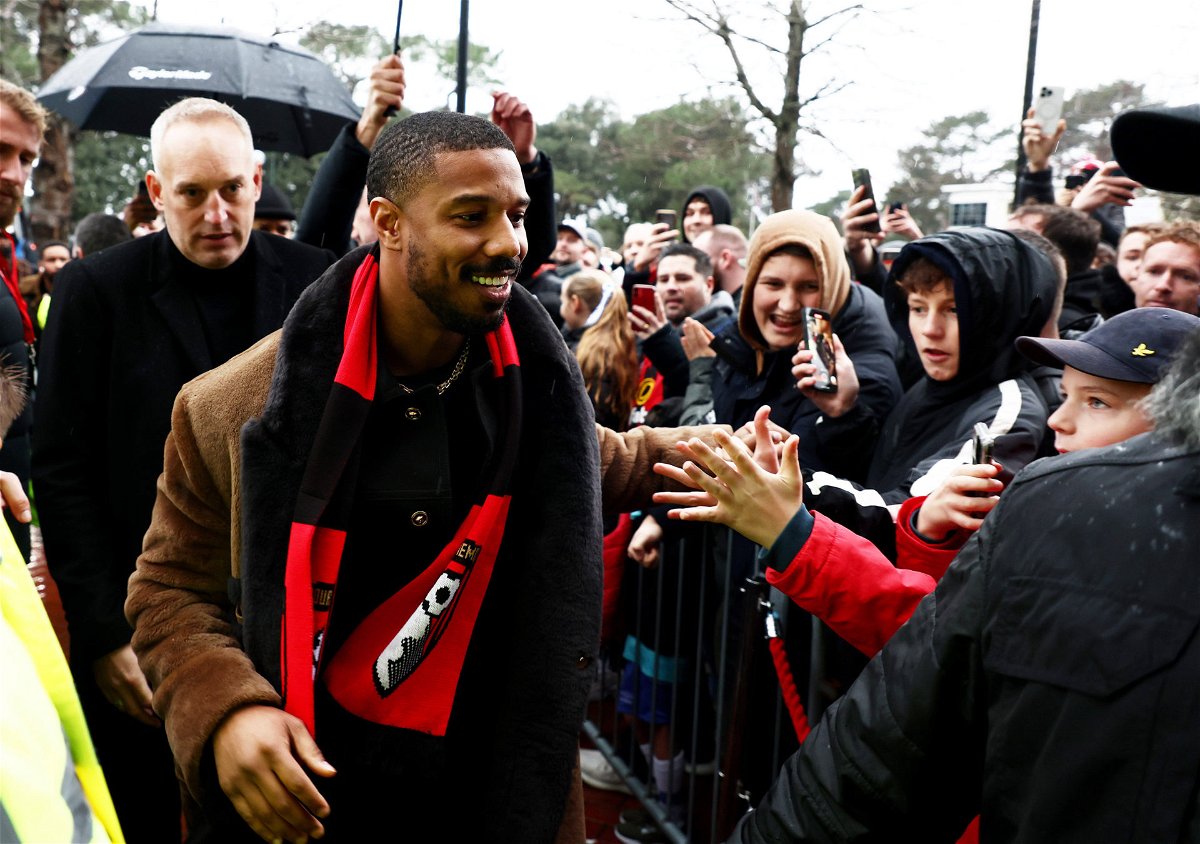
[(433, 293), (17, 195)]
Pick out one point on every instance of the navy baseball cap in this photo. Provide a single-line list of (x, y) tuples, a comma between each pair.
[(1136, 345)]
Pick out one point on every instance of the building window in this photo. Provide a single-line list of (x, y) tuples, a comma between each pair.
[(968, 214)]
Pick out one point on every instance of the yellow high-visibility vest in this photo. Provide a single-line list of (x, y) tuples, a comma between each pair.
[(51, 785)]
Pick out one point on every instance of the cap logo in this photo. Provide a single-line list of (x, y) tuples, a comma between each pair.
[(1140, 351)]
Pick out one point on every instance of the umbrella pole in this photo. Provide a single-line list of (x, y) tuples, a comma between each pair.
[(396, 39), (463, 43)]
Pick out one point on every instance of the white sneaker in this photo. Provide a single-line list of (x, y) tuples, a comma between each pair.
[(598, 773)]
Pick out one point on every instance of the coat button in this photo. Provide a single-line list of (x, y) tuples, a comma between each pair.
[(419, 518), (583, 662), (413, 414)]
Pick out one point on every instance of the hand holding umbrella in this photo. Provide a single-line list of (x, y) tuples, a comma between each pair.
[(385, 99)]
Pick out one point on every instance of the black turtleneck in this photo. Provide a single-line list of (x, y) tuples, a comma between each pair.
[(224, 301)]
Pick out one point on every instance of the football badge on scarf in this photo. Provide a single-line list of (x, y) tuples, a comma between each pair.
[(421, 632)]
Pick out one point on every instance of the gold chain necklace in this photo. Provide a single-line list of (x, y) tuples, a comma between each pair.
[(454, 373)]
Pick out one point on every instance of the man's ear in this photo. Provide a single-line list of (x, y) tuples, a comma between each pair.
[(389, 223), (258, 182), (710, 283), (154, 187)]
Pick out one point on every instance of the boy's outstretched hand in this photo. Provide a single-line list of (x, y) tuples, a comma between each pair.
[(736, 490)]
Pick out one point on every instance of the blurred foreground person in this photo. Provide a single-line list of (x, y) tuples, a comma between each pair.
[(51, 786)]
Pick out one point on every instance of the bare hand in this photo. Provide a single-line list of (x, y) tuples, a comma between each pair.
[(951, 506), (756, 503), (764, 437), (805, 373), (1104, 188), (516, 121), (121, 681), (645, 322), (860, 242), (1038, 144), (902, 223), (660, 235), (645, 544), (261, 754), (696, 340), (761, 435), (12, 496), (387, 92)]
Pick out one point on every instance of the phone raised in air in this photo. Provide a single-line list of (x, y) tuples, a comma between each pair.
[(1049, 107), (666, 215), (643, 294), (862, 176), (818, 337), (982, 443)]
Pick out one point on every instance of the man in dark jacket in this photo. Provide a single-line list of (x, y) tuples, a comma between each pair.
[(129, 327)]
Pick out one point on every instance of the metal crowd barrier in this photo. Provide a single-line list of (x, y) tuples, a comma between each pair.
[(726, 708)]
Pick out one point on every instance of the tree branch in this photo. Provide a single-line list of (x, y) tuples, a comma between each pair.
[(858, 7)]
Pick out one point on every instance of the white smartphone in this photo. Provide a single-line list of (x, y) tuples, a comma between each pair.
[(1049, 106)]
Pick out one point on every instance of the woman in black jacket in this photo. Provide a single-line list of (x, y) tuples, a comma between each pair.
[(796, 261)]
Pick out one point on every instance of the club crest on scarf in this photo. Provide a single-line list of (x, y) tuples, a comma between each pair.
[(421, 632)]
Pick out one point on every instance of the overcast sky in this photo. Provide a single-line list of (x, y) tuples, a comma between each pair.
[(909, 63)]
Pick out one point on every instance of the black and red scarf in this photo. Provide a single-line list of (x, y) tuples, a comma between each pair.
[(401, 665)]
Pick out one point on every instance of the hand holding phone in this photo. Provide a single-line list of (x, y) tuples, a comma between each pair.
[(862, 178), (643, 296), (982, 443), (1049, 107), (818, 338)]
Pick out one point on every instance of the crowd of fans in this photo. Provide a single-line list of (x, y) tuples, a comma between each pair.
[(1039, 338)]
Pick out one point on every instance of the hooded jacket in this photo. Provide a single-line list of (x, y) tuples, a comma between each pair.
[(1003, 288), (747, 373), (718, 201)]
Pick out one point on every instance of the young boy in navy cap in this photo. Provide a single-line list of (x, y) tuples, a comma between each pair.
[(1107, 372)]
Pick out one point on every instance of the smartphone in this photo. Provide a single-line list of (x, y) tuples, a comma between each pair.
[(893, 207), (1049, 106), (666, 215), (818, 336), (643, 294), (862, 176), (982, 442)]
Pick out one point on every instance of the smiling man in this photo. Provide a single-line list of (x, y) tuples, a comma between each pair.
[(130, 325), (372, 582)]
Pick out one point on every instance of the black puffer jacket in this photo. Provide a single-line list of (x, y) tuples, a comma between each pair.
[(1049, 684)]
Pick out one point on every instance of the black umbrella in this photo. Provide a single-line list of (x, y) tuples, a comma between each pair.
[(291, 100)]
